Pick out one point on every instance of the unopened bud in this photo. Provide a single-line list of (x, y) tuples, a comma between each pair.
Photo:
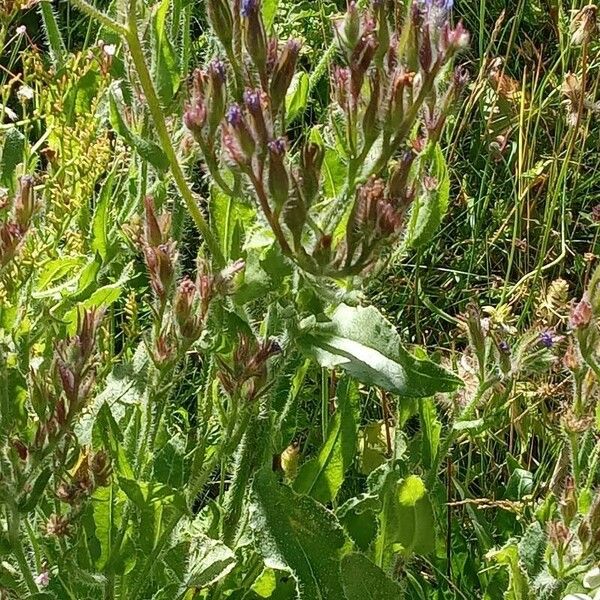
[(294, 215), (216, 94), (283, 74), (253, 100), (24, 204), (221, 20), (255, 37), (347, 29), (581, 314), (239, 128), (279, 182), (311, 161), (322, 250), (568, 502), (194, 117)]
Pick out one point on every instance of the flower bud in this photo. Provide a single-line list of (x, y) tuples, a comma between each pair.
[(194, 117), (294, 215), (255, 37), (568, 502), (221, 20), (401, 80), (159, 261), (283, 74), (581, 314), (216, 94), (279, 182), (398, 181), (155, 229), (347, 29), (322, 251), (239, 128), (184, 309), (24, 204), (370, 123), (311, 161), (361, 60), (253, 100)]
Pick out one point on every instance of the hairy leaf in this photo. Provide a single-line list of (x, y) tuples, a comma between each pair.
[(364, 343), (296, 534), (363, 580), (322, 477)]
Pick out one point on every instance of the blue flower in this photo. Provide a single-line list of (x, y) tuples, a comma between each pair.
[(234, 115), (547, 339), (249, 7)]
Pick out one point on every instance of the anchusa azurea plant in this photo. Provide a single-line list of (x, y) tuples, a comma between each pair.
[(196, 414)]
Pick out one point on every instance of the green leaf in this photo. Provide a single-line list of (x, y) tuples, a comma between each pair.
[(229, 216), (365, 581), (359, 518), (269, 10), (147, 149), (53, 36), (297, 534), (39, 487), (166, 65), (431, 206), (297, 96), (364, 343), (431, 429), (100, 241), (406, 522), (12, 155), (509, 557), (322, 477), (210, 560), (532, 548)]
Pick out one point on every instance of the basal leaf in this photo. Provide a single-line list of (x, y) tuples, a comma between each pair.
[(322, 477), (365, 344), (364, 580), (296, 534)]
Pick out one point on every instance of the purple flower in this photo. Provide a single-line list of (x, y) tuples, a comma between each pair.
[(217, 67), (249, 7), (504, 347), (234, 115), (252, 100), (547, 339), (278, 146)]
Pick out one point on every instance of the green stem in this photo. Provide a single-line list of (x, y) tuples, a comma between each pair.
[(18, 551), (137, 55)]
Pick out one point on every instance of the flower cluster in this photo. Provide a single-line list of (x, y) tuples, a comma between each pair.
[(12, 232), (391, 101)]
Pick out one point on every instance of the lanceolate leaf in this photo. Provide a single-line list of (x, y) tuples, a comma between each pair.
[(296, 534), (365, 581), (323, 476), (166, 65), (431, 206), (297, 96), (147, 149), (364, 343)]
